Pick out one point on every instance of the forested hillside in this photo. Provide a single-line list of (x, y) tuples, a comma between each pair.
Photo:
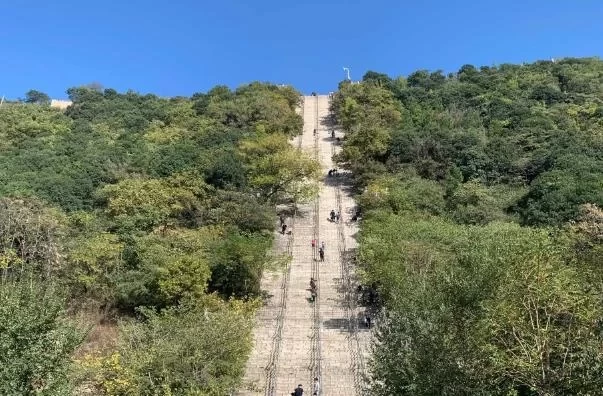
[(482, 229), (134, 231)]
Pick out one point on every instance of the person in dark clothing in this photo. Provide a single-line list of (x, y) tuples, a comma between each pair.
[(333, 134), (332, 214), (321, 253), (299, 391), (282, 219), (283, 229), (371, 296)]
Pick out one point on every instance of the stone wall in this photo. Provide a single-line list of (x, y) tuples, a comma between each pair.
[(60, 104)]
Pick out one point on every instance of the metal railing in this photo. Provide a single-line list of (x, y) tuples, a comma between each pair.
[(315, 352)]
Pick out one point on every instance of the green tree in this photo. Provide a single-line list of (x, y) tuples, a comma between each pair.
[(145, 204), (277, 171), (237, 264), (164, 268), (31, 237), (409, 195), (469, 315), (36, 340), (37, 97), (192, 349), (540, 333), (380, 79), (474, 203), (95, 260)]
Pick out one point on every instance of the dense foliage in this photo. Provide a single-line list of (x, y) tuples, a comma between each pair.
[(35, 340), (536, 126), (482, 230), (158, 213)]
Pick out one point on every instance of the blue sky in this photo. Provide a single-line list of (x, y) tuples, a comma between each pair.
[(185, 46)]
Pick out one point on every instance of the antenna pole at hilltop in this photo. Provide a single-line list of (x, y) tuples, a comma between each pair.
[(347, 70)]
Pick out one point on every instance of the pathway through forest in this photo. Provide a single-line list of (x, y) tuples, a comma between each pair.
[(296, 339)]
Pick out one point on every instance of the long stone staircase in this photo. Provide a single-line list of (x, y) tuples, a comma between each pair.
[(295, 339)]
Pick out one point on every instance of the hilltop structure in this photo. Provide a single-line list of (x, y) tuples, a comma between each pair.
[(60, 104)]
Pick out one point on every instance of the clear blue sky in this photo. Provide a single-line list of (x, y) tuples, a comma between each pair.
[(180, 47)]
